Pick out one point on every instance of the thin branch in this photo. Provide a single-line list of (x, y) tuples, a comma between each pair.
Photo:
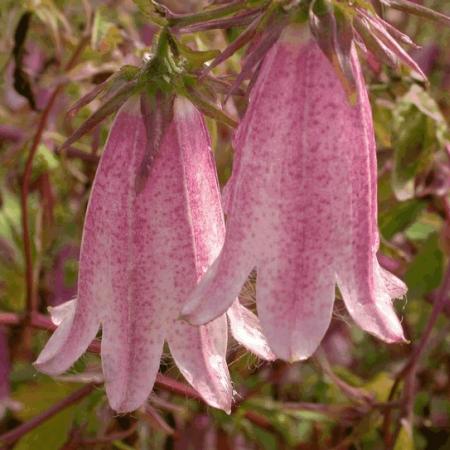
[(12, 436), (409, 371), (155, 420), (176, 387), (9, 318), (423, 347), (163, 382), (74, 153), (31, 295), (353, 393), (108, 438), (37, 320)]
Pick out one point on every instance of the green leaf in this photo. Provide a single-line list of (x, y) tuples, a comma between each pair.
[(147, 8), (424, 227), (36, 398), (209, 109), (418, 10), (266, 439), (196, 59), (109, 107), (397, 218), (44, 161), (333, 30), (425, 271), (212, 13), (419, 130), (105, 35), (51, 435), (22, 83), (381, 386), (405, 438), (382, 120), (122, 446)]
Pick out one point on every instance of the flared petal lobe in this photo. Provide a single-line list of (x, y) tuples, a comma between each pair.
[(365, 287), (302, 206), (113, 280), (208, 229), (153, 226), (137, 259)]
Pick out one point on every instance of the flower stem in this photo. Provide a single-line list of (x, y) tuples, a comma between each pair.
[(31, 294), (12, 436)]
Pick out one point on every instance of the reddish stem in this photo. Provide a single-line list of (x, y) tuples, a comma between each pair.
[(88, 442), (156, 421), (176, 387), (409, 371), (31, 295), (163, 382), (12, 436), (74, 153), (9, 319)]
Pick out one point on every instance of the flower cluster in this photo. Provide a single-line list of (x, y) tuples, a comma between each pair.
[(156, 264)]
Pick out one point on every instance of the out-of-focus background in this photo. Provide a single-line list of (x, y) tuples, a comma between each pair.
[(349, 396)]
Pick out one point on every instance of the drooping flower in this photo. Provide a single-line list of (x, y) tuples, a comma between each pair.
[(302, 207), (154, 224)]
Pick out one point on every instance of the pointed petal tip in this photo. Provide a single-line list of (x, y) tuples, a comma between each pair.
[(386, 327), (191, 318), (39, 365), (223, 404), (45, 363), (269, 355), (45, 366), (395, 337), (125, 401), (195, 313), (294, 353), (294, 357), (246, 329), (124, 406), (194, 318), (297, 350)]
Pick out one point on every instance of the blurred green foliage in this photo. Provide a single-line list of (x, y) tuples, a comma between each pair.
[(303, 406)]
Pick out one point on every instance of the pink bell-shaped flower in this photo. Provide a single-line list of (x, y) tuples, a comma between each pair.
[(302, 207), (154, 224)]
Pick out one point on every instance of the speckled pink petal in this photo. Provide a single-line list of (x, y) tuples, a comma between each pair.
[(295, 312), (208, 229), (222, 283), (174, 214), (246, 329), (366, 290), (393, 285), (201, 359), (112, 278), (295, 283), (301, 206), (148, 236), (78, 323), (62, 312), (279, 156)]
